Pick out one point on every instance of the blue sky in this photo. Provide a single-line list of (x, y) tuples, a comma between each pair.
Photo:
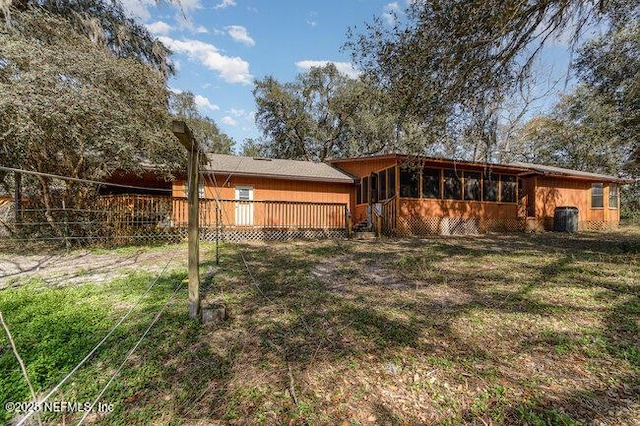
[(221, 46)]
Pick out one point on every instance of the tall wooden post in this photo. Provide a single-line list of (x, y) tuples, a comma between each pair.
[(185, 136), (17, 196)]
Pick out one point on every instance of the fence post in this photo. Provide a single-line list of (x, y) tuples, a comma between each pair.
[(185, 136), (217, 232), (66, 225), (17, 196)]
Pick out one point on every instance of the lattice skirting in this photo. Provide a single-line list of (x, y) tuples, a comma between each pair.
[(257, 234), (596, 225), (584, 225), (506, 225), (417, 225)]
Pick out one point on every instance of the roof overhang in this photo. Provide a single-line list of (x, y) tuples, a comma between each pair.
[(282, 177)]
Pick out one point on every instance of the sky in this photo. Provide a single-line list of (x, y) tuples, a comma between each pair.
[(220, 47)]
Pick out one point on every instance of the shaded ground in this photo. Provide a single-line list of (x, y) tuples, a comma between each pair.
[(84, 266), (492, 329)]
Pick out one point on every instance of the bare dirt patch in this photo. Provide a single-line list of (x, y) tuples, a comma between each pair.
[(81, 266)]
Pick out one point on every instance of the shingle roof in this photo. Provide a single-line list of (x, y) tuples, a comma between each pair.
[(559, 171), (275, 168)]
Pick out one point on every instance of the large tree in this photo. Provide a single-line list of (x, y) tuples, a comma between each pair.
[(71, 105), (597, 126), (205, 130), (324, 114), (450, 62)]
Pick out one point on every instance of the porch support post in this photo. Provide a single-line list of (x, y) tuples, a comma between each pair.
[(185, 136)]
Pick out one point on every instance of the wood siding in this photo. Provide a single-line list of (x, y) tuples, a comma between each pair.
[(311, 204), (554, 192)]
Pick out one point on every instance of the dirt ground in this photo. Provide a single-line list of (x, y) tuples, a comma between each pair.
[(83, 266)]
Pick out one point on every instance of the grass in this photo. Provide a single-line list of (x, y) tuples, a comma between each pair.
[(492, 329)]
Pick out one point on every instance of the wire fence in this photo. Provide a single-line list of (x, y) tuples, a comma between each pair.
[(61, 218)]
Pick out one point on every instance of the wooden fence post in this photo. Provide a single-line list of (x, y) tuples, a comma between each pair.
[(185, 136)]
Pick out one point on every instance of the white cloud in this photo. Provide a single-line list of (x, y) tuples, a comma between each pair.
[(200, 30), (239, 34), (231, 69), (391, 12), (229, 121), (225, 4), (159, 28), (188, 5), (237, 112), (203, 103), (311, 23), (345, 68), (138, 8)]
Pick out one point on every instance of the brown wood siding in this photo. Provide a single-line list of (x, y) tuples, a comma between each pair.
[(272, 189), (552, 193), (450, 208), (265, 189), (363, 168)]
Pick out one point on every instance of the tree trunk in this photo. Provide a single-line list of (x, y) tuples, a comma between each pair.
[(46, 199)]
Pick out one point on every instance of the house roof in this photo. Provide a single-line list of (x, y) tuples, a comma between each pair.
[(325, 172), (517, 167), (275, 168), (559, 171)]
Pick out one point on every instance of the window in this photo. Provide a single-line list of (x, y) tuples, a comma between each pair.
[(614, 197), (472, 186), (431, 183), (597, 195), (452, 185), (391, 180), (365, 190), (383, 185), (409, 183), (359, 193), (244, 194), (201, 193), (490, 187), (509, 188), (375, 190)]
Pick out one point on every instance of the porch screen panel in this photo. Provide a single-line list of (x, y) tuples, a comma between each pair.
[(613, 196), (490, 187), (431, 183), (365, 190), (453, 184), (391, 181), (472, 186), (597, 195), (382, 183), (409, 184), (508, 189), (359, 193)]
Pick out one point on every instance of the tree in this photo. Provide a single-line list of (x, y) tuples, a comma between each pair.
[(205, 130), (72, 107), (597, 127), (104, 22), (324, 114), (449, 63)]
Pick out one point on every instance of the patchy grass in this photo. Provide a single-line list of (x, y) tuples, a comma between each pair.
[(492, 329)]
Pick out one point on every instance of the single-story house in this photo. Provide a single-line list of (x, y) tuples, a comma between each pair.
[(404, 195)]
